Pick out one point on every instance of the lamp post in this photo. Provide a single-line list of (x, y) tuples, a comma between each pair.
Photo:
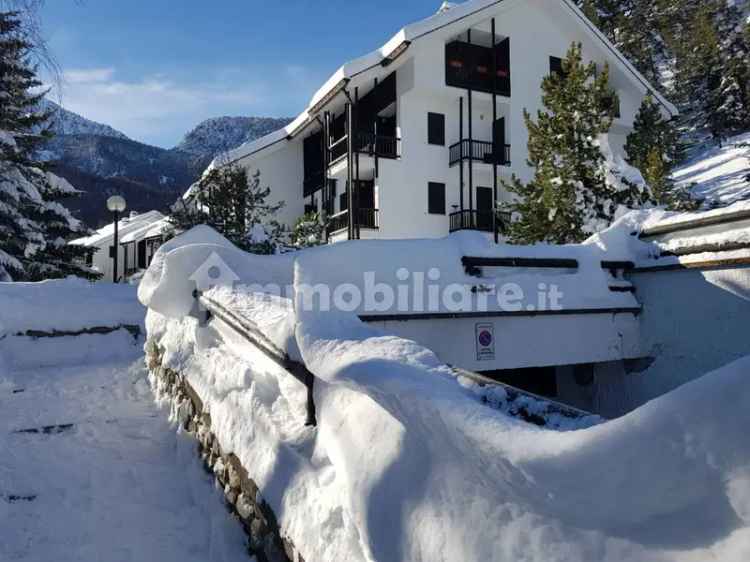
[(116, 205)]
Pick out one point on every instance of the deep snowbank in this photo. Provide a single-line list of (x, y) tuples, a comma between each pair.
[(67, 305), (407, 465)]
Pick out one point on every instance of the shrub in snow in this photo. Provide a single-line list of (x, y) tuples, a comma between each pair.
[(308, 231), (575, 192)]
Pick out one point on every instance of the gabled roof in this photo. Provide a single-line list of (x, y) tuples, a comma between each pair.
[(127, 225), (448, 14)]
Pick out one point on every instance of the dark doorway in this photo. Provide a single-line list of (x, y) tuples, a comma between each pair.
[(484, 209), (498, 138), (141, 262), (537, 380)]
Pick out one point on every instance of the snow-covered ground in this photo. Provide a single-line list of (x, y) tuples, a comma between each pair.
[(408, 463), (90, 469), (720, 174)]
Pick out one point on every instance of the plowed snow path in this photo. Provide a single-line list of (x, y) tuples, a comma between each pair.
[(119, 485)]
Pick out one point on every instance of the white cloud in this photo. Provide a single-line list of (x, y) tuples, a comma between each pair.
[(84, 76)]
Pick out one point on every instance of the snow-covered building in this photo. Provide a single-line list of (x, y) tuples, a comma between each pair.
[(139, 236), (416, 136)]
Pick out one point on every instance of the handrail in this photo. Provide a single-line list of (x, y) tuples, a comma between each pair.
[(528, 414), (250, 332)]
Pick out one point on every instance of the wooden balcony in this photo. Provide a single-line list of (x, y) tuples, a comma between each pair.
[(479, 151), (369, 144), (366, 218), (476, 220)]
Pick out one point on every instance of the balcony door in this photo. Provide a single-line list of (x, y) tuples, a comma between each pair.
[(498, 138), (485, 208)]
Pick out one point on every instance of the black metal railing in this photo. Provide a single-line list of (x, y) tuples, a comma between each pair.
[(479, 151), (366, 218), (248, 330), (476, 220), (382, 146)]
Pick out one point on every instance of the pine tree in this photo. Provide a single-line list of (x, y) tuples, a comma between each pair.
[(308, 231), (34, 226), (235, 205), (653, 147), (572, 194)]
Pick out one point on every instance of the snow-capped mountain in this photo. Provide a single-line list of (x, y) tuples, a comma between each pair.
[(65, 122), (101, 160), (217, 135)]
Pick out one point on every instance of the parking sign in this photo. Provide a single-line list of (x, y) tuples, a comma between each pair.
[(485, 338)]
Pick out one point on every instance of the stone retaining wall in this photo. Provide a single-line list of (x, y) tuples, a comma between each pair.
[(265, 539)]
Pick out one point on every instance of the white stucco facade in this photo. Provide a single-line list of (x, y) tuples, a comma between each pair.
[(536, 30)]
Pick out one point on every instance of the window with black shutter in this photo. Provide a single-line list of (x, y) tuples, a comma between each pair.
[(436, 129), (436, 198), (556, 66)]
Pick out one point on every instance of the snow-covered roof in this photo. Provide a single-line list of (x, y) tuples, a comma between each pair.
[(126, 226), (148, 230), (448, 14)]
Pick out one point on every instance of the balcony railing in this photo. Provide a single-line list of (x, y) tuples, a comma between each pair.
[(382, 146), (479, 151), (366, 218), (476, 220)]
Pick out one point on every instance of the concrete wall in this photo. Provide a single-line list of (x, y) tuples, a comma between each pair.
[(521, 342), (693, 322), (281, 169)]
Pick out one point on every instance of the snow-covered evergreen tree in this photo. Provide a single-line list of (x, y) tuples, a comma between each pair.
[(34, 226), (308, 231), (653, 148), (574, 193), (235, 205)]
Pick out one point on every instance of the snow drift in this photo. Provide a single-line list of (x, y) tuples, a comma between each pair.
[(408, 464)]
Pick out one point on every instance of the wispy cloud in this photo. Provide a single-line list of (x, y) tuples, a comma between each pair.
[(86, 76)]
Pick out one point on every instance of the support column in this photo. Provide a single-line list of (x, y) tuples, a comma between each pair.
[(461, 152), (471, 153), (494, 146), (355, 127), (349, 175)]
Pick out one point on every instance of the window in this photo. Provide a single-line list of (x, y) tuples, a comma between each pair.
[(343, 201), (436, 128), (436, 198), (556, 66)]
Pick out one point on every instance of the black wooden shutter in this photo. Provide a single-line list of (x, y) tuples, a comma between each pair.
[(436, 129), (436, 198)]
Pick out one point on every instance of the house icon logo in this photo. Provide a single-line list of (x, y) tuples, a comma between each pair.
[(214, 272)]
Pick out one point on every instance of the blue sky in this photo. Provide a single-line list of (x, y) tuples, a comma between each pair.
[(155, 68)]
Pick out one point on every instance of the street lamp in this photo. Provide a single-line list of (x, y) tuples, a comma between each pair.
[(116, 205)]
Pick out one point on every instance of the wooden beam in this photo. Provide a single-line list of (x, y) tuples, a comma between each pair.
[(698, 265), (558, 263), (692, 224)]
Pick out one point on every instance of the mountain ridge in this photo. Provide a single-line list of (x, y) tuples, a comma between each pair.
[(102, 161)]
